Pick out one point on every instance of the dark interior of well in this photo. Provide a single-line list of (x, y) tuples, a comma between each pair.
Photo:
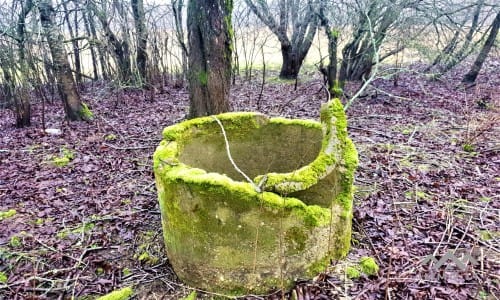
[(272, 147)]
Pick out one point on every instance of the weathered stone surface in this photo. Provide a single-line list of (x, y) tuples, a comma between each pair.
[(224, 235)]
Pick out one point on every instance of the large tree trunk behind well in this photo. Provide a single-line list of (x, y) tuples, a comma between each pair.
[(209, 35)]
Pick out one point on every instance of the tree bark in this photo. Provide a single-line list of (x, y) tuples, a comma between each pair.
[(210, 48), (91, 28), (490, 41), (177, 6), (141, 38), (21, 97), (74, 108), (73, 33), (292, 61), (121, 49)]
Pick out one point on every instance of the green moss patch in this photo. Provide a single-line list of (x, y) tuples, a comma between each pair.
[(368, 265), (3, 277), (64, 158), (7, 214), (121, 294)]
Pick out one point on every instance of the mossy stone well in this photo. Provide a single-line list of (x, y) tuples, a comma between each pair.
[(224, 235)]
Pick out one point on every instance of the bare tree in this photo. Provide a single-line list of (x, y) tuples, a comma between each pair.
[(73, 106), (178, 9), (209, 35), (295, 26), (490, 41), (120, 46), (141, 38)]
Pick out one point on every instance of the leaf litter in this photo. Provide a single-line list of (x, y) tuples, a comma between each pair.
[(93, 225)]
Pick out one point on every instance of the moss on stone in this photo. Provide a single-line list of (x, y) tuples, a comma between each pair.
[(223, 226), (121, 294)]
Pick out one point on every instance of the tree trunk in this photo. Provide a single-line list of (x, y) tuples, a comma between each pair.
[(299, 20), (20, 98), (89, 20), (292, 61), (23, 106), (92, 45), (121, 49), (142, 39), (490, 41), (333, 85), (209, 36), (73, 33), (74, 108), (177, 6)]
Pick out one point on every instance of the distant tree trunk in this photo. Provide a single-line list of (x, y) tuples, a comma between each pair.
[(74, 108), (358, 55), (92, 45), (73, 33), (142, 39), (292, 61), (177, 6), (209, 35), (295, 17), (90, 24), (16, 92), (490, 41), (21, 97), (331, 70), (121, 48)]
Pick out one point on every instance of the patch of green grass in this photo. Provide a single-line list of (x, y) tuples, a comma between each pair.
[(191, 296), (121, 294), (485, 199), (126, 271), (487, 235), (86, 227)]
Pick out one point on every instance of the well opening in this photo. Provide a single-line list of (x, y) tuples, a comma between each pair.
[(271, 147)]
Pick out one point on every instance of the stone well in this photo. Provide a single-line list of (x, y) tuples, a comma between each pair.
[(227, 235)]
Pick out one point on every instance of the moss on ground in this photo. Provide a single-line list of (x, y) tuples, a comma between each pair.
[(7, 214), (121, 294)]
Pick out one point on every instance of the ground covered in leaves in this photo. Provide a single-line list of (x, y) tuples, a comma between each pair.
[(79, 214)]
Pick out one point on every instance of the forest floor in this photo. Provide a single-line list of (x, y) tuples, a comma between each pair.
[(428, 183)]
